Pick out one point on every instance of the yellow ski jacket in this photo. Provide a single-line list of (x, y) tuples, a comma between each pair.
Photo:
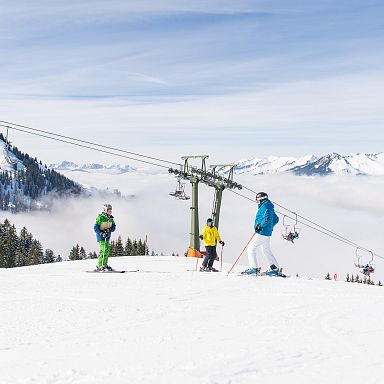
[(210, 236)]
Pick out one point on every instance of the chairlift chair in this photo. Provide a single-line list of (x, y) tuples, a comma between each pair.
[(179, 192), (289, 232), (364, 268)]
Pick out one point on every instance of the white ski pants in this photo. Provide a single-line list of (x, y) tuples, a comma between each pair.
[(263, 243)]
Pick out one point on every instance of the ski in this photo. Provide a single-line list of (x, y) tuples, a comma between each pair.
[(262, 274), (124, 271), (278, 275)]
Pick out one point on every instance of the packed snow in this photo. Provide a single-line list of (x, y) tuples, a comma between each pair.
[(166, 324)]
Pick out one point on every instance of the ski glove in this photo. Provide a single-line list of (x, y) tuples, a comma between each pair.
[(201, 237), (222, 243), (104, 234), (258, 228)]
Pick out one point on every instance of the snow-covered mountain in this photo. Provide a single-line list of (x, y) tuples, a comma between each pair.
[(334, 163), (352, 164), (68, 166), (26, 184)]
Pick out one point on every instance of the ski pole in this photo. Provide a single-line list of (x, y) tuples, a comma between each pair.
[(221, 258), (241, 254)]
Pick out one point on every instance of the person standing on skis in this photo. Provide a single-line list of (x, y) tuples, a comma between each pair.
[(105, 225), (210, 236), (265, 220)]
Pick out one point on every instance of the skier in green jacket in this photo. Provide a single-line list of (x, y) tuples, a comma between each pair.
[(105, 225)]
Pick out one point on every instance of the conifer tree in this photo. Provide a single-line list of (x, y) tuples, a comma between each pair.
[(8, 245), (134, 248), (92, 255), (140, 248), (24, 247), (119, 250), (82, 253), (75, 253), (128, 247), (36, 254), (112, 252), (49, 256)]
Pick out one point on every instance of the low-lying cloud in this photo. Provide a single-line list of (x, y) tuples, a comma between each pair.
[(350, 206)]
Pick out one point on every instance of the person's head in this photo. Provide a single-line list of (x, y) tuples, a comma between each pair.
[(107, 208), (210, 222), (260, 197)]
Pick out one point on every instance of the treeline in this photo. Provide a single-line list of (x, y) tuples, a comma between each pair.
[(21, 249), (20, 188), (118, 248)]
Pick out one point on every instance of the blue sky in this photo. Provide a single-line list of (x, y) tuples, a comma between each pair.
[(233, 79)]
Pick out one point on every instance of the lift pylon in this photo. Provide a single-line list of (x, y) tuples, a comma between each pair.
[(219, 189), (211, 178)]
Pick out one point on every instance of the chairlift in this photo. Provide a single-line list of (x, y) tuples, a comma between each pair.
[(365, 268), (290, 232), (179, 192)]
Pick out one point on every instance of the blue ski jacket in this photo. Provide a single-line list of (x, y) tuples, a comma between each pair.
[(266, 218)]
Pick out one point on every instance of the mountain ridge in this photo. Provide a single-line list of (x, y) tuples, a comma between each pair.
[(356, 164)]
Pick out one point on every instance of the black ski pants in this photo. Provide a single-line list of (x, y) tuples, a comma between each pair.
[(210, 256)]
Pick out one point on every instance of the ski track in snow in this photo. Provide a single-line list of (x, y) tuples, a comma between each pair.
[(61, 325)]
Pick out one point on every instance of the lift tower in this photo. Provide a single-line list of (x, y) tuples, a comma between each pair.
[(213, 179), (219, 189)]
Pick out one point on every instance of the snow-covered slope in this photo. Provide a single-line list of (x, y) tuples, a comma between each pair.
[(353, 164), (167, 325), (8, 161)]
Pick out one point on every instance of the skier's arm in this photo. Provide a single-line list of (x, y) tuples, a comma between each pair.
[(96, 228), (113, 226), (267, 217), (218, 238)]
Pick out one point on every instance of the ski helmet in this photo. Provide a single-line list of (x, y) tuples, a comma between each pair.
[(261, 196), (106, 207), (209, 221)]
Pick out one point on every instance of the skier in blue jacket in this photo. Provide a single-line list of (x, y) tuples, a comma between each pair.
[(265, 220)]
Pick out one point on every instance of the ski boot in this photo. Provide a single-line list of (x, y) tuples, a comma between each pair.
[(99, 269), (108, 268), (204, 269), (274, 271), (213, 269), (250, 271)]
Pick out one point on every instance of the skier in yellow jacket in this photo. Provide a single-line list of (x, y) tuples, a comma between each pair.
[(211, 237)]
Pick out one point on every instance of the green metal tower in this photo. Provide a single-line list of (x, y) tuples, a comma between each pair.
[(212, 179)]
